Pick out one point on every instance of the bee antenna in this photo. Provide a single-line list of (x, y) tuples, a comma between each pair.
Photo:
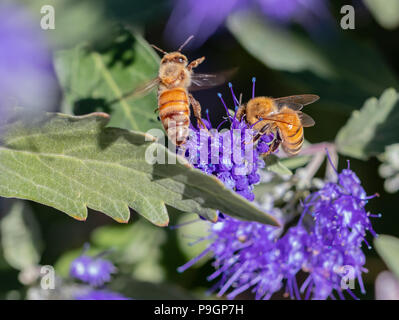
[(159, 49), (185, 42)]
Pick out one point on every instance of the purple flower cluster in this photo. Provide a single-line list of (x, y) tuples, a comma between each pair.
[(95, 272), (337, 231), (230, 154), (326, 242), (101, 295), (92, 270), (328, 247), (203, 18)]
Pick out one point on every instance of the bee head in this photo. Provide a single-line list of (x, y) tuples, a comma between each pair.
[(175, 57)]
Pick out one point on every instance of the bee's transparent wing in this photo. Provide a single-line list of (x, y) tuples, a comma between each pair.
[(290, 118), (139, 91), (296, 102), (306, 120), (201, 81)]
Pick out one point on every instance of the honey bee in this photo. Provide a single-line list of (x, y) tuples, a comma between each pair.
[(175, 79), (282, 117)]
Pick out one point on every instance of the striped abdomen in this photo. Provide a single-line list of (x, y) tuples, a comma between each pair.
[(291, 133), (174, 113)]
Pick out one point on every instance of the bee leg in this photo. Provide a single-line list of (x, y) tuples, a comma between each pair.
[(256, 137), (197, 111), (258, 134), (195, 63), (274, 145), (156, 110), (262, 131)]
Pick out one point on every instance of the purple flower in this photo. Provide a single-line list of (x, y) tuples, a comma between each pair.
[(325, 243), (203, 18), (339, 226), (101, 295), (230, 154), (92, 270), (26, 74)]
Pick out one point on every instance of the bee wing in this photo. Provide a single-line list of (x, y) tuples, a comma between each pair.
[(201, 81), (289, 118), (306, 120), (296, 102), (139, 91)]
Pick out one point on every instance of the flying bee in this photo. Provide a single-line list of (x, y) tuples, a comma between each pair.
[(282, 117), (174, 81)]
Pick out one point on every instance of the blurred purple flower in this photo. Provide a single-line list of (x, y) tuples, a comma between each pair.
[(339, 227), (326, 242), (27, 77), (203, 18), (92, 270), (101, 295)]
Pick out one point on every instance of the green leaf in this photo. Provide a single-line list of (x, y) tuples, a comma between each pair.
[(71, 18), (275, 46), (295, 162), (193, 230), (136, 247), (94, 81), (386, 12), (372, 128), (20, 236), (389, 169), (274, 164), (388, 248), (71, 163)]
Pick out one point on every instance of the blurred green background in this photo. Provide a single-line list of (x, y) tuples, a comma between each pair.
[(347, 67)]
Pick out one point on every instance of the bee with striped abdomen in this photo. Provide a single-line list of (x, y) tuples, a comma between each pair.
[(175, 79), (282, 117)]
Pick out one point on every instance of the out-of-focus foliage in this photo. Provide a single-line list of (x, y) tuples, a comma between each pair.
[(389, 169), (273, 164), (143, 290), (75, 20), (388, 248), (279, 49), (386, 12), (136, 251), (71, 163), (206, 17), (333, 69), (192, 233), (20, 236), (94, 81), (372, 128), (136, 248)]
